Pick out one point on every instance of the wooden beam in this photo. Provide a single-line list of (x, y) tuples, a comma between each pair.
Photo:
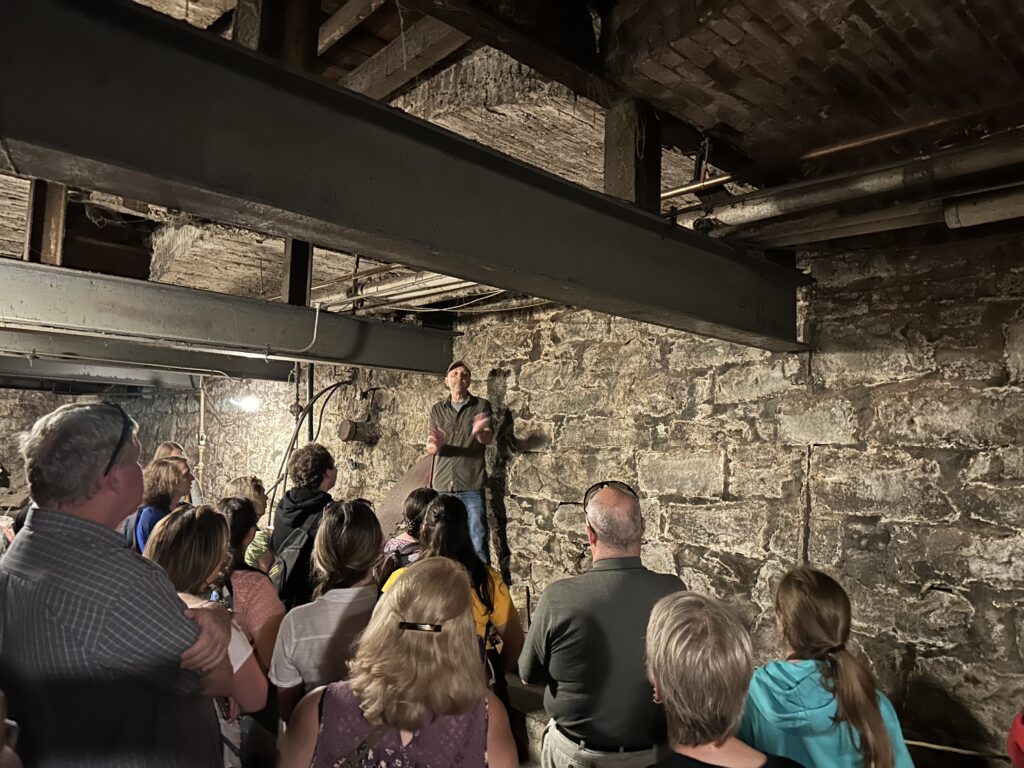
[(632, 154), (490, 28), (44, 235), (425, 44), (350, 15), (297, 281)]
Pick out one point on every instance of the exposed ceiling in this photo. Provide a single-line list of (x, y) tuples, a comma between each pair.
[(779, 77), (766, 81)]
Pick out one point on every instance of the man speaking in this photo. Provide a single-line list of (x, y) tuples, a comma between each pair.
[(460, 427)]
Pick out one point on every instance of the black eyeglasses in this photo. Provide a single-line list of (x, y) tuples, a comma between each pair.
[(616, 484), (126, 435)]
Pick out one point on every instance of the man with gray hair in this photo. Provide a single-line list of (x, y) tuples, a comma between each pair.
[(101, 662), (586, 644)]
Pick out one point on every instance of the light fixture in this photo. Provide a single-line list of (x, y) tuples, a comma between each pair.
[(247, 403)]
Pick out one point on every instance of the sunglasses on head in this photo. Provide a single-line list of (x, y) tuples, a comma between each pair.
[(126, 436), (616, 484)]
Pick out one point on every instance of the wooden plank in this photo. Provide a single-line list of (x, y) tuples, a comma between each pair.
[(632, 154), (44, 235), (344, 20), (425, 44)]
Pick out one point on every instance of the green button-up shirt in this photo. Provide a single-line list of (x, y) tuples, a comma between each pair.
[(459, 466)]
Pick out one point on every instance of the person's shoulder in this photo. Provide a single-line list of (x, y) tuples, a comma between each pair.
[(252, 581), (482, 403), (776, 761), (392, 578)]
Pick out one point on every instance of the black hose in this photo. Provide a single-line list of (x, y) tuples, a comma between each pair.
[(291, 442)]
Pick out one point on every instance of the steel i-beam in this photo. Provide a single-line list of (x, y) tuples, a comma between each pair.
[(93, 95), (67, 302)]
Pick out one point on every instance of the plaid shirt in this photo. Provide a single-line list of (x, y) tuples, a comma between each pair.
[(91, 637)]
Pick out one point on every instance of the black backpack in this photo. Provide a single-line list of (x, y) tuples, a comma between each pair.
[(391, 561), (296, 546), (129, 529)]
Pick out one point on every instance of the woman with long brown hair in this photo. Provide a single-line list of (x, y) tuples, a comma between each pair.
[(821, 705)]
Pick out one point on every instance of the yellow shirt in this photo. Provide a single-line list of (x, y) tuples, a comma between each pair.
[(503, 611)]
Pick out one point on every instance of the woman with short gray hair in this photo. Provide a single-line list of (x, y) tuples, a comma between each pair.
[(699, 662)]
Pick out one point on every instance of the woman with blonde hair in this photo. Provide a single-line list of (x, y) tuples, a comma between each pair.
[(699, 663), (172, 450), (164, 482), (821, 706), (416, 695), (191, 545), (317, 640)]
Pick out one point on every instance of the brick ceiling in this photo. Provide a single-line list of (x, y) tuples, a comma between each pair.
[(779, 77)]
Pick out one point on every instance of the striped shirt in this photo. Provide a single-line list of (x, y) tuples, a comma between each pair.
[(91, 637)]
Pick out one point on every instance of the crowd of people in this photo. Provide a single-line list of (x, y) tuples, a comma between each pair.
[(140, 628)]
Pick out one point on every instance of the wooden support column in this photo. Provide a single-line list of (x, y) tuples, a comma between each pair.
[(298, 272), (296, 289), (284, 29), (632, 153), (44, 235)]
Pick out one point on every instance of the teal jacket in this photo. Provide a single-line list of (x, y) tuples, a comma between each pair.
[(789, 713)]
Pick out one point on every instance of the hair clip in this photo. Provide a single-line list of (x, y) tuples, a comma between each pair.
[(419, 627)]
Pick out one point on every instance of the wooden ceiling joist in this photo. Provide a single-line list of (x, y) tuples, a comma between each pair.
[(350, 15), (426, 43)]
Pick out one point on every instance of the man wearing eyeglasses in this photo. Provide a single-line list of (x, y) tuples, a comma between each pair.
[(459, 431), (100, 660), (586, 644)]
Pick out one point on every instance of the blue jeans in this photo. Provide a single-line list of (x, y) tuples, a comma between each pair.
[(477, 509)]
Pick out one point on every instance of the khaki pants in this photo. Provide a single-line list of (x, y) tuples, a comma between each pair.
[(557, 751)]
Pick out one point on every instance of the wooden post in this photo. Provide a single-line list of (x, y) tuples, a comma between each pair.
[(297, 281), (632, 154), (44, 235)]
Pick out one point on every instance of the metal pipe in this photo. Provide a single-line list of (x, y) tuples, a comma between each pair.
[(201, 462), (958, 213), (796, 198), (410, 286), (353, 275), (835, 149), (985, 209), (309, 401)]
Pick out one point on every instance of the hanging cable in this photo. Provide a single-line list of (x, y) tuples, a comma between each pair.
[(294, 438)]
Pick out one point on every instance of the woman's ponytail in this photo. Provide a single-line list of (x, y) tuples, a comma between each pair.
[(857, 704), (815, 614)]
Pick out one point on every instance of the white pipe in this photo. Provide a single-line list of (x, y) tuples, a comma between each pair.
[(985, 209), (986, 156)]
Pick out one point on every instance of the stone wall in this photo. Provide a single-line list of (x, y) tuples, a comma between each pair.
[(18, 411), (891, 455)]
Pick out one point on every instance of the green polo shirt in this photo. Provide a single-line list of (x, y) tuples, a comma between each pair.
[(586, 644), (460, 464)]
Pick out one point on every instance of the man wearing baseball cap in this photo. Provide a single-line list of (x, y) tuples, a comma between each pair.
[(459, 429)]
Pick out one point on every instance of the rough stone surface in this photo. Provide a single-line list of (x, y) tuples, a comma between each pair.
[(895, 462)]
